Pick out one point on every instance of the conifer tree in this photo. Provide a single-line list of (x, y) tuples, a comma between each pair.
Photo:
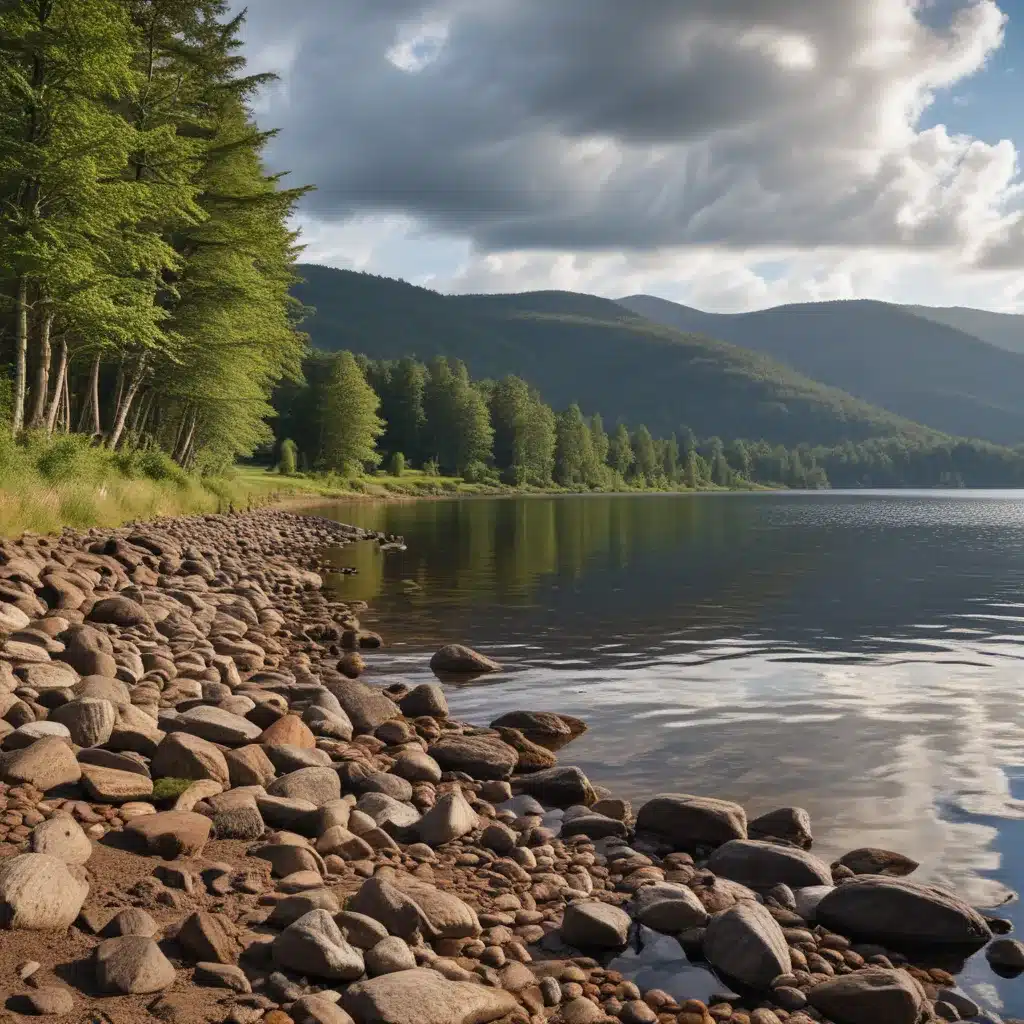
[(351, 425)]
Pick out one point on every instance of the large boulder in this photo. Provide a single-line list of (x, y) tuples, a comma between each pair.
[(171, 834), (49, 762), (761, 865), (380, 899), (869, 996), (183, 756), (317, 785), (449, 819), (422, 996), (461, 660), (89, 720), (669, 907), (250, 766), (427, 699), (689, 821), (447, 916), (480, 757), (132, 964), (61, 837), (119, 611), (792, 824), (544, 727), (39, 893), (365, 707), (217, 726), (591, 924), (314, 946), (111, 786), (894, 911), (747, 944), (561, 786)]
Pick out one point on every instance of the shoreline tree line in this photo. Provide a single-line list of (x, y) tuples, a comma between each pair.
[(351, 415), (146, 260)]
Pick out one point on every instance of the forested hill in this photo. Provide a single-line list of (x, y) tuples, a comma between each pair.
[(580, 348), (913, 366)]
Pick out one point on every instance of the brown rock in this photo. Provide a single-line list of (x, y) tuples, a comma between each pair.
[(289, 730), (209, 937), (172, 833)]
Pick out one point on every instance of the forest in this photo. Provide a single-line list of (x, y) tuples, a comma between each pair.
[(146, 257), (350, 414)]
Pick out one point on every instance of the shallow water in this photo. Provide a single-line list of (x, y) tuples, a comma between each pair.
[(856, 654)]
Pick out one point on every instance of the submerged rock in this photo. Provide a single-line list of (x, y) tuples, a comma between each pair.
[(459, 659)]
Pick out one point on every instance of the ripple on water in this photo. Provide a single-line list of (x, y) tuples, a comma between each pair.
[(854, 654)]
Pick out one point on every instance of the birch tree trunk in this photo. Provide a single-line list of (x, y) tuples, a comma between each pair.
[(59, 390), (42, 389), (125, 404), (21, 347)]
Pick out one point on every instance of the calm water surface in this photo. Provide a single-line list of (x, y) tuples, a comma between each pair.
[(859, 654)]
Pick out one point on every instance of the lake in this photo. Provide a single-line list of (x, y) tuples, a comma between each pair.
[(858, 654)]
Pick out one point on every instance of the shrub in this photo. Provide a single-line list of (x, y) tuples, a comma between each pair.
[(66, 458), (170, 788), (431, 468), (289, 461), (158, 465), (396, 465)]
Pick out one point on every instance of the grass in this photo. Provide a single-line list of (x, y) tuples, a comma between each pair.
[(46, 485)]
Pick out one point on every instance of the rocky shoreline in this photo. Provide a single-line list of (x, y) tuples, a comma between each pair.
[(206, 816)]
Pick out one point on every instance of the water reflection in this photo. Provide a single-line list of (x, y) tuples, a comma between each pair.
[(854, 654)]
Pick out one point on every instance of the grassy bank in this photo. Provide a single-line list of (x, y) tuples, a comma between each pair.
[(46, 485), (414, 483)]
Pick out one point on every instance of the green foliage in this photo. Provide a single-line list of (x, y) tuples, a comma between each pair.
[(396, 464), (140, 233), (289, 461), (170, 788), (351, 425)]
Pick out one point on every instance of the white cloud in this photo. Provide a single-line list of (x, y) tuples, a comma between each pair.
[(661, 144)]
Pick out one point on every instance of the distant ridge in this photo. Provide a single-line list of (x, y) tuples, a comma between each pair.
[(593, 351), (902, 359)]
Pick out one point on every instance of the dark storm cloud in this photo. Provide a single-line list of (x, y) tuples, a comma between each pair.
[(607, 124)]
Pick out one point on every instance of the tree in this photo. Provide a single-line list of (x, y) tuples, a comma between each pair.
[(396, 464), (738, 456), (646, 463), (670, 459), (458, 428), (620, 451), (524, 433), (289, 460), (575, 465), (351, 425), (400, 385)]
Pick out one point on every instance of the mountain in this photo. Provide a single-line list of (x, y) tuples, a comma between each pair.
[(911, 365), (1005, 330), (592, 351)]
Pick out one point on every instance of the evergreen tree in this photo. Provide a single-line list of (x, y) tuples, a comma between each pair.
[(400, 386), (670, 459), (351, 425), (599, 439), (738, 457), (620, 451), (646, 464), (575, 465), (524, 433), (458, 427)]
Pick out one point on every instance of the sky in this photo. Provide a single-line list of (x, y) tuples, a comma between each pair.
[(726, 154)]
